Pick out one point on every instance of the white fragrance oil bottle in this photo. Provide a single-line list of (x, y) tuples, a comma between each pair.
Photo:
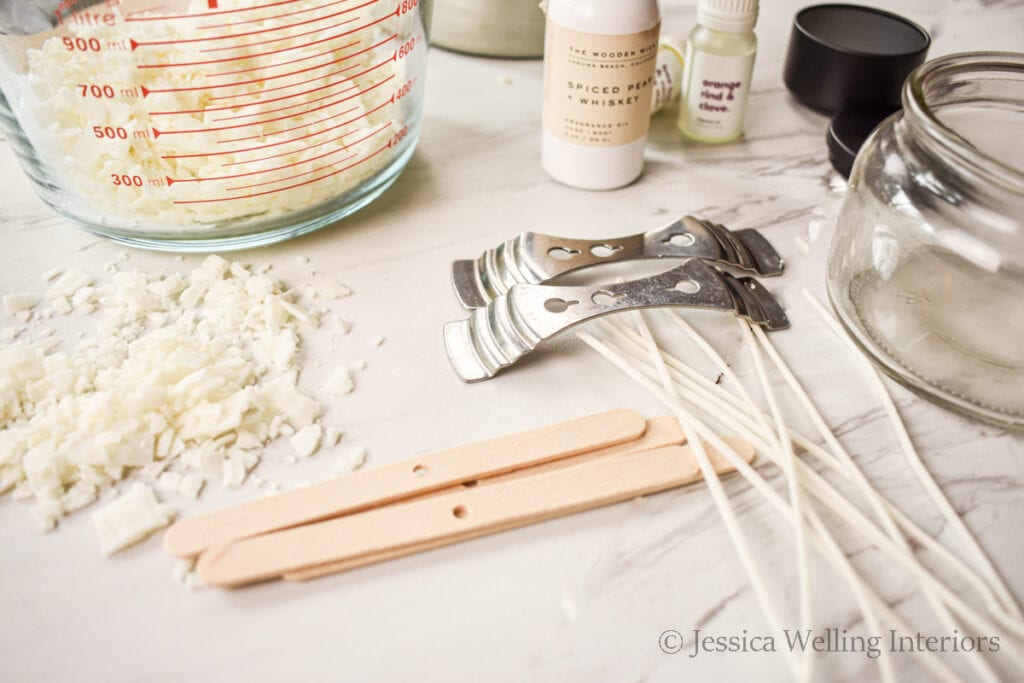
[(599, 62), (719, 61)]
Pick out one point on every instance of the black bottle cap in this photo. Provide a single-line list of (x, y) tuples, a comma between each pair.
[(849, 129), (842, 56)]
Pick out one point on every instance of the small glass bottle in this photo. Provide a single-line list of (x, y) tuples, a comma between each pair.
[(719, 61), (599, 64)]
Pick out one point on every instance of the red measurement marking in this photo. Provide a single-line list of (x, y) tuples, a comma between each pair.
[(306, 148), (304, 102), (274, 17), (285, 108), (266, 54), (311, 172), (292, 61), (365, 115), (233, 107), (289, 187), (278, 143), (263, 79), (212, 4), (319, 29), (137, 44), (158, 133), (172, 181), (208, 14)]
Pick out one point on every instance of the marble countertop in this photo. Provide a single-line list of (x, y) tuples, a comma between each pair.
[(583, 598)]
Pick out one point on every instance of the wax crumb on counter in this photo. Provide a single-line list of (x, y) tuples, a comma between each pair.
[(361, 365), (332, 436), (182, 378), (306, 441), (169, 482), (351, 460), (329, 288), (12, 332), (68, 283), (130, 518), (505, 79), (51, 274), (61, 305), (817, 224), (378, 342), (192, 582), (18, 302), (181, 569), (341, 382), (302, 260)]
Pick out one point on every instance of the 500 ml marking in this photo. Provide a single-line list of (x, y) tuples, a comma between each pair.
[(118, 133)]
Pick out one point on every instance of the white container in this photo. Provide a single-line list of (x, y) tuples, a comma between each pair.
[(599, 63), (719, 61), (494, 28)]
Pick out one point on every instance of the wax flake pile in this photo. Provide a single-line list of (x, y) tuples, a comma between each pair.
[(185, 378)]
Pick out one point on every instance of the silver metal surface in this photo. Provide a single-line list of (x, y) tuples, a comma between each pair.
[(532, 258), (497, 335)]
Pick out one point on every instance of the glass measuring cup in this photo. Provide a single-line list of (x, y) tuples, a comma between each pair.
[(211, 124)]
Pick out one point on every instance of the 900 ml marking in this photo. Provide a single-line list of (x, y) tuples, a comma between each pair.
[(82, 44)]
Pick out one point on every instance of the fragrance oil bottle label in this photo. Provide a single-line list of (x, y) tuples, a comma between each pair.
[(597, 88), (715, 95)]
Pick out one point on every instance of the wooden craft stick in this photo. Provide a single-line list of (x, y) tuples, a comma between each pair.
[(661, 432), (409, 526), (379, 486)]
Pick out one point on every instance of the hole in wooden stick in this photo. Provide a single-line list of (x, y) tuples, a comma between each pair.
[(421, 470), (460, 511)]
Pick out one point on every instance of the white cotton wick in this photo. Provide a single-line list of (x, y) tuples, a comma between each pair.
[(728, 410), (828, 496), (975, 658), (689, 422), (788, 458), (769, 494), (924, 477)]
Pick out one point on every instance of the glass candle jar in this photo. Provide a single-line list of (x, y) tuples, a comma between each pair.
[(926, 269)]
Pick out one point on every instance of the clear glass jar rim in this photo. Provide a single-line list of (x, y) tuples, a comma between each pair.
[(916, 105)]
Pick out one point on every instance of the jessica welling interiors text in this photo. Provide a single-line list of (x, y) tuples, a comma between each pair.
[(829, 640)]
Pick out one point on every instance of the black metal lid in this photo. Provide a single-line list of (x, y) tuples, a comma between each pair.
[(849, 129), (841, 56)]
